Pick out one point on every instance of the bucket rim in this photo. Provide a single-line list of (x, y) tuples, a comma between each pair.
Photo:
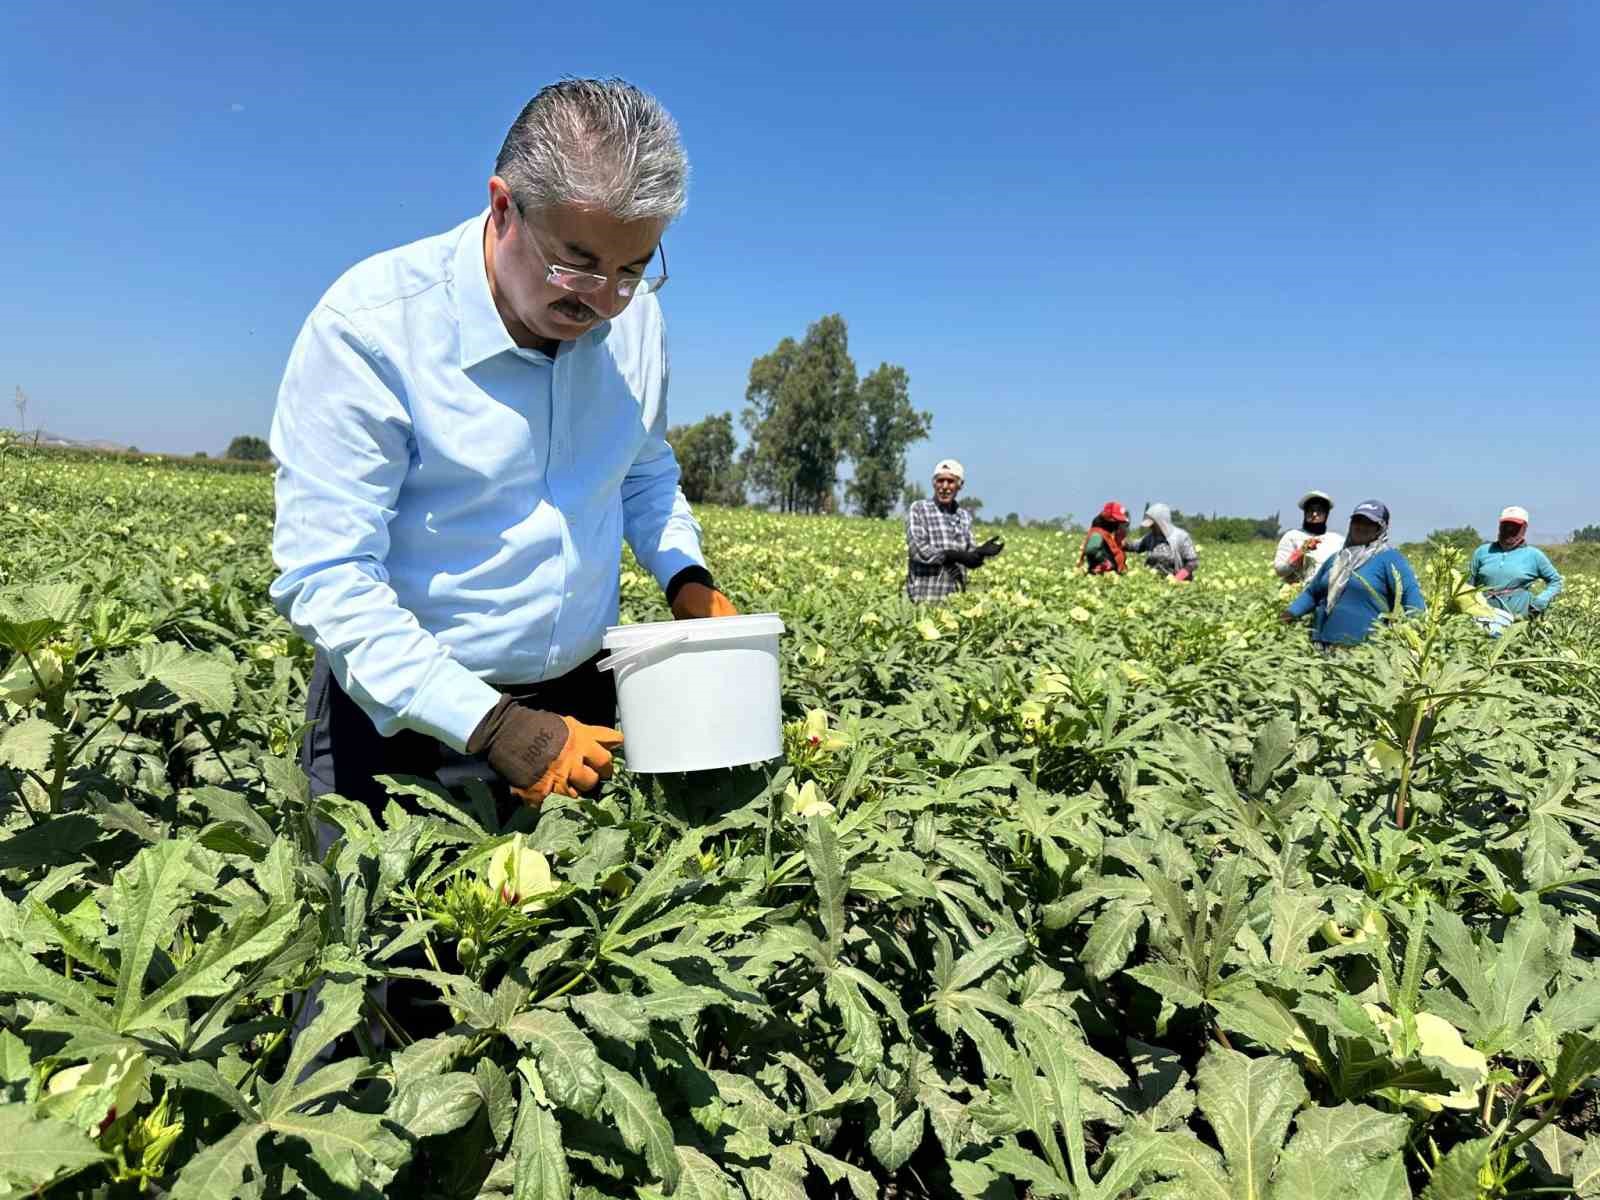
[(716, 629)]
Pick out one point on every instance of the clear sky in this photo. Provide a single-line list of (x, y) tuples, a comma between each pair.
[(1204, 253)]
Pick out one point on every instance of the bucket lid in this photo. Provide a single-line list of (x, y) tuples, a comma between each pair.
[(716, 629)]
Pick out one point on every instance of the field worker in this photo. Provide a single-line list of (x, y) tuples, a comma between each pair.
[(1105, 545), (1166, 547), (1357, 586), (1505, 567), (467, 429), (939, 546), (1301, 552)]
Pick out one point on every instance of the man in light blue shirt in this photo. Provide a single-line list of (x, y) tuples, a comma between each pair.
[(467, 429)]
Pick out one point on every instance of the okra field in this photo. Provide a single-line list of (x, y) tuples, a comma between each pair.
[(1073, 887)]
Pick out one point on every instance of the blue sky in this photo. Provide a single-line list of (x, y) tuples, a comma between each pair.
[(1205, 253)]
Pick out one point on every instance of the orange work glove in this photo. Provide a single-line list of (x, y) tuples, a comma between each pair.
[(697, 600), (579, 766)]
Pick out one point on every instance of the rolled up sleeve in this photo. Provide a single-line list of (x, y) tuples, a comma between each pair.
[(342, 437)]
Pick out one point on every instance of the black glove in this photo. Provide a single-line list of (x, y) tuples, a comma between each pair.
[(967, 558), (990, 548)]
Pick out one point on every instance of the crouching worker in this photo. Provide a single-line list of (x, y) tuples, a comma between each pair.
[(1105, 545), (1357, 586), (939, 546), (467, 429), (1167, 548)]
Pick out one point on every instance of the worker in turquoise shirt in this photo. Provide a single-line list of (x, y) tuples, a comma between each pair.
[(1504, 568), (1357, 586)]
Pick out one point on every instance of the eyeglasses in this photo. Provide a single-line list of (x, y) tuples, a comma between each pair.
[(586, 283)]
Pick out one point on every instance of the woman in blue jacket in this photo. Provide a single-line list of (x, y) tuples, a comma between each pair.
[(1505, 567), (1357, 586)]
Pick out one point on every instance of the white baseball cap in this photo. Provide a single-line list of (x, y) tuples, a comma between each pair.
[(949, 466), (1313, 494), (1515, 512)]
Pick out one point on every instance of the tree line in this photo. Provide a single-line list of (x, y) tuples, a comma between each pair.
[(808, 414)]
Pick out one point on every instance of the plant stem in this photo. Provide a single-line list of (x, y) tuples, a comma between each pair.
[(23, 799), (1533, 1130), (572, 981), (387, 1021), (1408, 766), (205, 732)]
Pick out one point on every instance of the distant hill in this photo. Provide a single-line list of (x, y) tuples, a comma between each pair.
[(57, 441)]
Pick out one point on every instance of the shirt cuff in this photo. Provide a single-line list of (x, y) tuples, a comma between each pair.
[(693, 574), (450, 705)]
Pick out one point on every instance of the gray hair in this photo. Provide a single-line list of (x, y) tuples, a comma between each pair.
[(599, 142)]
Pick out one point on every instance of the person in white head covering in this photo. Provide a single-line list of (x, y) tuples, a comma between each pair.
[(1506, 569), (1166, 547), (1301, 552), (939, 546)]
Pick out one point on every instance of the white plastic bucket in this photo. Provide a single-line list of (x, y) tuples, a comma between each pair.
[(698, 695)]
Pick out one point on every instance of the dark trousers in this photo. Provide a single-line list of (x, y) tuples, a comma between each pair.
[(343, 751)]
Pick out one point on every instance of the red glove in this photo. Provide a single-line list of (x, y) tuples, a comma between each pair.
[(1183, 573)]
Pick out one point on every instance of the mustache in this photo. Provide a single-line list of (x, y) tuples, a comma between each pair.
[(577, 307)]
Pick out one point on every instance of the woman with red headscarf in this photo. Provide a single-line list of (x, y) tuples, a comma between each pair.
[(1105, 545)]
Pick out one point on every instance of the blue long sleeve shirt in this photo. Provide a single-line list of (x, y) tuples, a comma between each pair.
[(1359, 607), (1505, 576), (451, 507)]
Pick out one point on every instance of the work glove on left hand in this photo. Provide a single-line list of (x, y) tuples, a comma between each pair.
[(579, 766), (539, 752), (992, 547), (696, 600)]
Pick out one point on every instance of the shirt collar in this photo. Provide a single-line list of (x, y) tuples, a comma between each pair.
[(482, 332)]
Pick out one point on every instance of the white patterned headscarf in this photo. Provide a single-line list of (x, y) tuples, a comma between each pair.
[(1344, 565), (1160, 515)]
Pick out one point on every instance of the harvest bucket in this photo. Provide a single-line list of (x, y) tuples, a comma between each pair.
[(698, 695)]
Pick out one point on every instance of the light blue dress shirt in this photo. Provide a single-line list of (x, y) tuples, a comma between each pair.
[(451, 507)]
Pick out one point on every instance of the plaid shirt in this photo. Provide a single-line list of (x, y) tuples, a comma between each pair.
[(930, 531)]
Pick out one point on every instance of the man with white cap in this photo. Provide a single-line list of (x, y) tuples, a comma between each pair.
[(939, 546), (1505, 569), (1301, 552)]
